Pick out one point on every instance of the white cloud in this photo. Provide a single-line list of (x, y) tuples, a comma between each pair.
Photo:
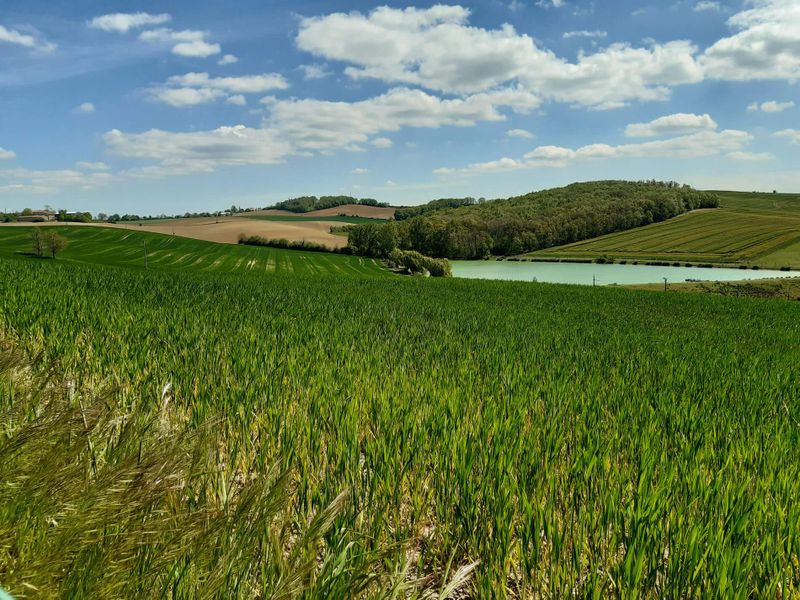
[(26, 40), (196, 49), (766, 45), (182, 97), (246, 84), (301, 127), (550, 3), (228, 59), (324, 125), (520, 133), (6, 154), (770, 106), (707, 5), (584, 34), (437, 49), (92, 166), (315, 71), (359, 171), (12, 36), (704, 143), (29, 181), (86, 108), (793, 135), (382, 142), (749, 156), (237, 100), (202, 151), (671, 125), (124, 22), (164, 35), (187, 42), (200, 88)]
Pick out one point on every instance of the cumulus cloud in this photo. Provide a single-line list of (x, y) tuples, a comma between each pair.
[(6, 154), (26, 40), (437, 48), (584, 34), (315, 71), (237, 99), (200, 88), (671, 125), (382, 142), (766, 44), (92, 166), (770, 106), (202, 151), (359, 171), (228, 59), (187, 42), (29, 181), (86, 108), (707, 5), (793, 135), (749, 156), (520, 133), (124, 22), (704, 143), (196, 49), (300, 127)]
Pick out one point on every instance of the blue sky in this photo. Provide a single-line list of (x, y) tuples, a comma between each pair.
[(165, 107)]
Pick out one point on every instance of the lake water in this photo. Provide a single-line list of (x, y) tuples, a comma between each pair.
[(583, 273)]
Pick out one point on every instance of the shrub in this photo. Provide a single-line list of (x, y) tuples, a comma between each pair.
[(414, 263)]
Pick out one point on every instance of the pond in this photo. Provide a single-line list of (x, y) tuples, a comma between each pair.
[(602, 274)]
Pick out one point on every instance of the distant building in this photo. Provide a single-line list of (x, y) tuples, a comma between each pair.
[(38, 216)]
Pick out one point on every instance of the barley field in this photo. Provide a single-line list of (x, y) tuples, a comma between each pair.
[(190, 433), (126, 248)]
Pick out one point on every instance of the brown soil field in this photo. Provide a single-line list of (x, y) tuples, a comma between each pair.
[(351, 210), (227, 230)]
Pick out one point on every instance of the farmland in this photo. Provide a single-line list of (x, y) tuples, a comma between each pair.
[(748, 229), (260, 435), (121, 247)]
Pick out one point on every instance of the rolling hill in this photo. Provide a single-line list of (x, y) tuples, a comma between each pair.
[(752, 229)]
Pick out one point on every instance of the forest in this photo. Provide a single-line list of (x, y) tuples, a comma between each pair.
[(531, 222)]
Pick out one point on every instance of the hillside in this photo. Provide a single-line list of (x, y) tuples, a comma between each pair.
[(748, 229), (538, 220), (120, 247)]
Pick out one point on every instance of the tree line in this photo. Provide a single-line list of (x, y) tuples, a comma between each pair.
[(531, 222), (306, 204)]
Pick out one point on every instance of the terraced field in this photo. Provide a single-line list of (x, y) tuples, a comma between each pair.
[(748, 229), (111, 246)]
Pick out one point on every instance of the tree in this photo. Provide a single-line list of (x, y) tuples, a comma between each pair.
[(55, 243), (26, 212), (37, 237)]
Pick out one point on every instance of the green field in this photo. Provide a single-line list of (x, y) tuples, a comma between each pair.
[(748, 229), (334, 219), (193, 433), (110, 246)]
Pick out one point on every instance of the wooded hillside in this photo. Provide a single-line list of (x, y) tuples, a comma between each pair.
[(531, 222)]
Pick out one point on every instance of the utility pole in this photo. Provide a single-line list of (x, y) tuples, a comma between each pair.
[(144, 243), (665, 284), (594, 280)]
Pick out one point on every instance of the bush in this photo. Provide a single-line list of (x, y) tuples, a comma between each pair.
[(414, 263)]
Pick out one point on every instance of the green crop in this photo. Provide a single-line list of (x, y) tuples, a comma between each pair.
[(575, 442)]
